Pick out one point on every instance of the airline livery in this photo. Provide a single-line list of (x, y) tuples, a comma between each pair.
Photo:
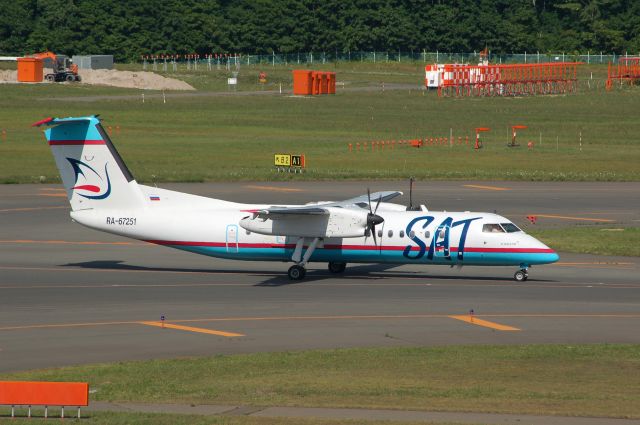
[(367, 229)]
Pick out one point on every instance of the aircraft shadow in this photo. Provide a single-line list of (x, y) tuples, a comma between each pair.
[(354, 273)]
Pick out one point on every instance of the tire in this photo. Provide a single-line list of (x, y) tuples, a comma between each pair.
[(337, 267), (78, 79), (50, 77), (520, 276), (70, 77), (296, 272)]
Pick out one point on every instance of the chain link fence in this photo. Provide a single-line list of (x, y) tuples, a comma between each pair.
[(313, 58)]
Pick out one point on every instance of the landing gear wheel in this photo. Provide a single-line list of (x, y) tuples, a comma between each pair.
[(521, 276), (296, 272), (337, 267)]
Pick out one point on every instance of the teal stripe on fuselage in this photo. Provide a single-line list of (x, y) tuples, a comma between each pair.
[(372, 256)]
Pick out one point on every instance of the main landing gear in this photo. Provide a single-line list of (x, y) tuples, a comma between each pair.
[(337, 268), (298, 271), (522, 274)]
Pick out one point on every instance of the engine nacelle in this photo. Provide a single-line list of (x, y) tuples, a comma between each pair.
[(338, 223)]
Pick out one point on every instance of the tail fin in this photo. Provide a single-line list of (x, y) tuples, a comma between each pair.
[(92, 171)]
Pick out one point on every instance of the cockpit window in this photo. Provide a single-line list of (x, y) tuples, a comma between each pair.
[(510, 227), (492, 228)]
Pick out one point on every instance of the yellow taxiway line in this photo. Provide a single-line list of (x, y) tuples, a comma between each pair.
[(32, 209), (273, 188), (191, 329), (487, 324), (562, 217), (465, 318), (475, 186)]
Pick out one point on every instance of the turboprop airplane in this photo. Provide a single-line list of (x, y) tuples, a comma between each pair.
[(104, 196)]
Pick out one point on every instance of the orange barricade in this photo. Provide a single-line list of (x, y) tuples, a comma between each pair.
[(302, 82), (324, 83), (26, 393), (313, 82)]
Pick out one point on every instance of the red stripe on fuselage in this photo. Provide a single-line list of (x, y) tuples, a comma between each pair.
[(76, 142), (351, 247)]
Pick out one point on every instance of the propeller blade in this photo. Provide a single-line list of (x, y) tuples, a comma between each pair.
[(411, 193), (369, 198), (375, 241), (377, 205)]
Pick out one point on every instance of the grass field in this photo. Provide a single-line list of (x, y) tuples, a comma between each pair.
[(208, 138), (583, 380), (599, 240)]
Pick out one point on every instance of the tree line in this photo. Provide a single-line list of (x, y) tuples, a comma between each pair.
[(128, 29)]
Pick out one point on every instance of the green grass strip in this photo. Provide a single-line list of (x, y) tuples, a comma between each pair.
[(589, 380), (623, 241)]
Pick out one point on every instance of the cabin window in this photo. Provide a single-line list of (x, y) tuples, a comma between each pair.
[(510, 227), (427, 234), (412, 234), (379, 233), (492, 228), (390, 233), (402, 233)]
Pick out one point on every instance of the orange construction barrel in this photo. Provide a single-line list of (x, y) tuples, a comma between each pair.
[(30, 70), (302, 82), (332, 83)]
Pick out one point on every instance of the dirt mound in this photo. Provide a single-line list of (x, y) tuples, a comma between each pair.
[(114, 78), (8, 76), (128, 79)]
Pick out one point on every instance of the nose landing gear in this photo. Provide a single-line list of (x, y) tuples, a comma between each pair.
[(522, 274)]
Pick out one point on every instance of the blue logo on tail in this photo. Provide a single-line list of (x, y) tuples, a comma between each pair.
[(79, 168)]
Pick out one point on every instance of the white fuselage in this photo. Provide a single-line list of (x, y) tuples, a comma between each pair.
[(212, 227)]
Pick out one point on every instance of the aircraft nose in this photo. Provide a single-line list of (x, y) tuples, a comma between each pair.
[(551, 255)]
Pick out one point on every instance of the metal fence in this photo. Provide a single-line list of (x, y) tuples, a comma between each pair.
[(309, 58)]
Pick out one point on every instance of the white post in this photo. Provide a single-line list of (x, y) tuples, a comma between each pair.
[(142, 97), (374, 56), (525, 56), (580, 140), (164, 99), (62, 413)]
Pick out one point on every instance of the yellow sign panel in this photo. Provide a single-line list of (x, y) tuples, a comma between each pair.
[(282, 160)]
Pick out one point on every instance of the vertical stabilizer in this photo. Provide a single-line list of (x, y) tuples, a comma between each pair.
[(91, 169)]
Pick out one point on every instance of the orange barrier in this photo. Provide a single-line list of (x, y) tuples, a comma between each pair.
[(28, 393), (313, 82), (381, 145), (30, 70), (302, 82)]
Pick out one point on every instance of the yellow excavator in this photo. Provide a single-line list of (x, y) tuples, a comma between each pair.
[(63, 69)]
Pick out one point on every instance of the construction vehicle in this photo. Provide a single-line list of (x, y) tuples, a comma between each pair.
[(63, 69)]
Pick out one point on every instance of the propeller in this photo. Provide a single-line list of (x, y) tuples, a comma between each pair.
[(411, 207), (372, 218)]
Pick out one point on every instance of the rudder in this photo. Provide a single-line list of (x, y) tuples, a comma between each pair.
[(93, 173)]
